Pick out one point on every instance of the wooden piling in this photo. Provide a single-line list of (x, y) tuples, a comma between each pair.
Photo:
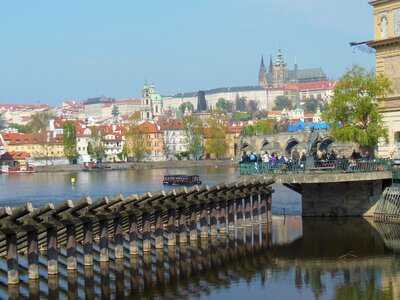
[(159, 229), (33, 255), (239, 213), (222, 216), (12, 258), (263, 209), (118, 238), (71, 247), (231, 214), (256, 217), (87, 228), (193, 223), (52, 263), (104, 236), (247, 210), (146, 233), (171, 228), (133, 235), (203, 221), (213, 219), (269, 208), (182, 225)]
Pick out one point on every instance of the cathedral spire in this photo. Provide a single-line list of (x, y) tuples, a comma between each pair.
[(271, 65), (262, 74)]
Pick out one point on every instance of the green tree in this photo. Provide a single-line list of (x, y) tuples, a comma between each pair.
[(115, 111), (252, 106), (39, 121), (69, 140), (216, 143), (21, 128), (261, 128), (2, 122), (282, 102), (185, 105), (97, 143), (353, 113), (310, 105), (136, 142), (194, 132), (241, 116), (224, 105), (241, 103)]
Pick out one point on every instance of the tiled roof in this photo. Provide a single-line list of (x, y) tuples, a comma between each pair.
[(174, 124), (15, 155), (31, 138), (149, 128), (133, 101)]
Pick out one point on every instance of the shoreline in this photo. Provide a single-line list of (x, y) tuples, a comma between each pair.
[(146, 165)]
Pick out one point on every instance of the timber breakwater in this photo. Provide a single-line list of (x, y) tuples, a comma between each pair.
[(43, 244)]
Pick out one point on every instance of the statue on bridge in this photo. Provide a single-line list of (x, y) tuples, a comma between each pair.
[(312, 147)]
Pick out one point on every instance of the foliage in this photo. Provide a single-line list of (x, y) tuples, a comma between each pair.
[(262, 127), (353, 113), (136, 142), (123, 155), (39, 121), (240, 103), (2, 122), (216, 143), (252, 106), (97, 143), (241, 116), (69, 140), (89, 149), (194, 132), (20, 128), (282, 102), (115, 111), (187, 105), (224, 105), (310, 105)]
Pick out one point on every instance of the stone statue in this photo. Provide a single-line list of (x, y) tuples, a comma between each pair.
[(312, 143)]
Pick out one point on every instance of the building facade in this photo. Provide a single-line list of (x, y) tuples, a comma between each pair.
[(387, 45)]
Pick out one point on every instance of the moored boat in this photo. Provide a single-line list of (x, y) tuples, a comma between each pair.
[(181, 179)]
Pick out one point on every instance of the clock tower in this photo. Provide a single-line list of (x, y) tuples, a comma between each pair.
[(387, 45)]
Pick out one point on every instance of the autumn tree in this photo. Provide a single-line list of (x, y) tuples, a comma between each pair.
[(69, 140), (136, 142), (353, 113), (186, 105), (194, 132), (216, 143), (97, 149), (261, 128), (39, 121)]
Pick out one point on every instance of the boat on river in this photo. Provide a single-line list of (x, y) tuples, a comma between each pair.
[(181, 179), (5, 169)]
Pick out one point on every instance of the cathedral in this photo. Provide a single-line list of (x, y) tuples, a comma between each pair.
[(278, 75)]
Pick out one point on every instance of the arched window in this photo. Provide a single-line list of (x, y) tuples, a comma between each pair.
[(156, 109), (148, 115), (147, 101)]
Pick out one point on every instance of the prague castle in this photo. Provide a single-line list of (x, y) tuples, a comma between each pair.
[(278, 74)]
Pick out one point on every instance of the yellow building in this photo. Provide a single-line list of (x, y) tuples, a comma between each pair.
[(387, 45)]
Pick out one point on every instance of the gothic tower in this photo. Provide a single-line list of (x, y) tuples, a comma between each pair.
[(262, 74), (280, 70)]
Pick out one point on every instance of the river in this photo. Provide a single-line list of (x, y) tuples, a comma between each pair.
[(299, 259)]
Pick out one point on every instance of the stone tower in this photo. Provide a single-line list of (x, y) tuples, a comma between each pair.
[(280, 70), (146, 109), (262, 74)]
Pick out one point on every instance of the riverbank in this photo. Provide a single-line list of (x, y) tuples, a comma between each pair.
[(146, 165)]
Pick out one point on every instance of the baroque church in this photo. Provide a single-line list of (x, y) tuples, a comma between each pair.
[(278, 74), (152, 103)]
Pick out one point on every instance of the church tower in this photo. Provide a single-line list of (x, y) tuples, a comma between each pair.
[(146, 109), (262, 74), (280, 70)]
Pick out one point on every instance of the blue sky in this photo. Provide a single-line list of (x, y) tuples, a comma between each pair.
[(52, 51)]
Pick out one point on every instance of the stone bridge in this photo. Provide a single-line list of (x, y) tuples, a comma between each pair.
[(285, 142)]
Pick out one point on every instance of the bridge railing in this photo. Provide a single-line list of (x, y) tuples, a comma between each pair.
[(337, 166)]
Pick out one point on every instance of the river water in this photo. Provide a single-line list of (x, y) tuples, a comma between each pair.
[(297, 258)]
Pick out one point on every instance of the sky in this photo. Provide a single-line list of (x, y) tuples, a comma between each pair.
[(54, 51)]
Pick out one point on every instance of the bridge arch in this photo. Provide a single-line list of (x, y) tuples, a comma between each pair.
[(290, 145), (264, 145), (245, 146), (324, 144)]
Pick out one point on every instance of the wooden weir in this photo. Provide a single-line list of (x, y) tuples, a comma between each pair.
[(388, 206), (140, 223)]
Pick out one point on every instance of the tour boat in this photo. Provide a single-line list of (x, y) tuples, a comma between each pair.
[(5, 169), (181, 179)]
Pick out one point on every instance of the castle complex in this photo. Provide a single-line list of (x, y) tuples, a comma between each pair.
[(278, 74)]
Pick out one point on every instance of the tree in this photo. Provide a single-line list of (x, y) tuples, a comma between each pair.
[(252, 106), (310, 105), (136, 142), (224, 105), (241, 116), (69, 140), (262, 127), (186, 105), (194, 132), (39, 121), (216, 143), (240, 103), (115, 111), (282, 102), (2, 122), (353, 113), (98, 150)]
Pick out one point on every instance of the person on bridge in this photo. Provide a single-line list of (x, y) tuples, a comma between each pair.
[(252, 157), (245, 157), (295, 155)]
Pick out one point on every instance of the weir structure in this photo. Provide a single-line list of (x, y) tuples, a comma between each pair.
[(88, 232)]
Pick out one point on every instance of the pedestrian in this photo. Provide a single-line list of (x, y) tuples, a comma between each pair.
[(245, 157)]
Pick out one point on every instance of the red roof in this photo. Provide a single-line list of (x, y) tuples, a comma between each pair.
[(313, 86), (149, 128), (24, 106), (174, 124), (133, 101), (31, 138), (15, 155)]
